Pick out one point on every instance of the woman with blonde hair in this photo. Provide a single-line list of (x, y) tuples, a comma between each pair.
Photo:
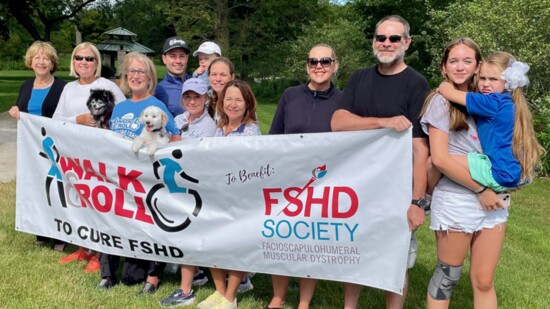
[(138, 80), (466, 215), (86, 67), (39, 96)]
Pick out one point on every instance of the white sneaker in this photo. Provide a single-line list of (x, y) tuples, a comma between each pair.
[(199, 278), (245, 286)]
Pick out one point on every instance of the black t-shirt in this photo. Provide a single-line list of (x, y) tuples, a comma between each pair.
[(371, 94)]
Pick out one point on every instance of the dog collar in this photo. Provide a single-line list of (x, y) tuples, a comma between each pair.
[(162, 132)]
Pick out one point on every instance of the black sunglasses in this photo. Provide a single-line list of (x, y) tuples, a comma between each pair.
[(325, 62), (393, 38), (87, 58), (184, 128)]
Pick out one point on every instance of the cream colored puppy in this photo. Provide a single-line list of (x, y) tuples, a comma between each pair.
[(153, 133)]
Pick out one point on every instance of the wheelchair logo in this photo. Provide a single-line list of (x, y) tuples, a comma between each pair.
[(52, 154), (169, 202)]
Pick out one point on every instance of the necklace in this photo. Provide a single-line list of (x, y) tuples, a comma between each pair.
[(39, 84)]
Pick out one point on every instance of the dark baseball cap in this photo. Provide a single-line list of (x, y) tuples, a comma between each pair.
[(175, 42)]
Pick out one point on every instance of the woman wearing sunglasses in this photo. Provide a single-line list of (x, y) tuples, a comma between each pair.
[(72, 108), (86, 66), (306, 108)]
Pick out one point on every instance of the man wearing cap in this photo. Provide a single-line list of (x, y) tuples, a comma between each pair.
[(174, 55), (207, 52)]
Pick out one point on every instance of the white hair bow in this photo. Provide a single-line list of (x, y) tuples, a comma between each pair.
[(515, 75)]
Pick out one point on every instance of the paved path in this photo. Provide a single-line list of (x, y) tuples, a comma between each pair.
[(8, 138)]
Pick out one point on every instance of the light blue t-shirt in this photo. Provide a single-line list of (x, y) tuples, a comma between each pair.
[(36, 100), (125, 117)]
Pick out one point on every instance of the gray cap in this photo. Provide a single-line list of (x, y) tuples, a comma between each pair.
[(195, 84), (175, 42)]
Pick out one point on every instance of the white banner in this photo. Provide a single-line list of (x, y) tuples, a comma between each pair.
[(328, 206)]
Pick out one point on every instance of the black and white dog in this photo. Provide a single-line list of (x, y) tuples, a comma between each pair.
[(101, 103)]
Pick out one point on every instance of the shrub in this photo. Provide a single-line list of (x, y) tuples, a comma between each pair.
[(541, 123), (272, 88)]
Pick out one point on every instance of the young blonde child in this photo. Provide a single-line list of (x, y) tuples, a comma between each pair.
[(207, 52), (511, 150)]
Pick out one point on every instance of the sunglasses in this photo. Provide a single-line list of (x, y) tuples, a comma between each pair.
[(393, 38), (325, 62), (87, 58), (184, 128)]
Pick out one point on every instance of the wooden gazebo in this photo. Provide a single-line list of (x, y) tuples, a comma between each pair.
[(121, 41)]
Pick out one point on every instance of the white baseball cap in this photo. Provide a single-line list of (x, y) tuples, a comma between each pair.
[(208, 48)]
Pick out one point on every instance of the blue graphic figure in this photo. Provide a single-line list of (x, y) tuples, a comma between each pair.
[(51, 153), (171, 169)]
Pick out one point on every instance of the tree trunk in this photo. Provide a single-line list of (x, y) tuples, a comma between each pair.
[(222, 29)]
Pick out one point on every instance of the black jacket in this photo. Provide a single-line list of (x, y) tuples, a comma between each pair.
[(302, 110)]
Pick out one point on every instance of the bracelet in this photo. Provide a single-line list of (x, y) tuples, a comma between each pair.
[(480, 190)]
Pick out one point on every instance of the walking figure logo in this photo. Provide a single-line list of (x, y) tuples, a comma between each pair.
[(316, 173), (155, 203), (51, 153)]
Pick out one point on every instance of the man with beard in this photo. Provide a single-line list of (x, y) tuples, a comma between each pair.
[(389, 95), (175, 54)]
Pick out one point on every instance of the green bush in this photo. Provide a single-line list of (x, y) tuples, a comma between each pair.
[(541, 123), (12, 65), (272, 88)]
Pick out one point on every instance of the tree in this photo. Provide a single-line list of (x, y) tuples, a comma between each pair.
[(41, 16), (341, 28), (150, 20), (514, 27), (250, 32)]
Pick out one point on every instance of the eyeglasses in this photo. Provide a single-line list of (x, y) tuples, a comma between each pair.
[(325, 62), (393, 38), (87, 58), (44, 59), (136, 72)]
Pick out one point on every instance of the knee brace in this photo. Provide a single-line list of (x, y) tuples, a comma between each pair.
[(444, 278)]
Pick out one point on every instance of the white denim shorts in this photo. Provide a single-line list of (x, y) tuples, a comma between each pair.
[(460, 212)]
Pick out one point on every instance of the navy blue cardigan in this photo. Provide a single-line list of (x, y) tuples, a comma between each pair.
[(50, 101)]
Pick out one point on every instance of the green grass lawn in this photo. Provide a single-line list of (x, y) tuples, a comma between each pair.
[(32, 277)]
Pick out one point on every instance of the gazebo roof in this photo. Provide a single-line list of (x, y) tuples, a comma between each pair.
[(113, 45), (121, 38), (120, 31)]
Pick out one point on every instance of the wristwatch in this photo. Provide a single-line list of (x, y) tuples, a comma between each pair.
[(421, 203)]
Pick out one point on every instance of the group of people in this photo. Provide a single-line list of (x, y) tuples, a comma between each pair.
[(473, 141)]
